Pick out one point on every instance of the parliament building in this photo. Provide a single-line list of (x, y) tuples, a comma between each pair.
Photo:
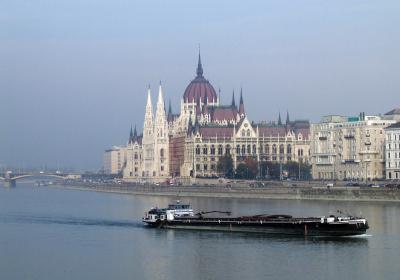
[(190, 144)]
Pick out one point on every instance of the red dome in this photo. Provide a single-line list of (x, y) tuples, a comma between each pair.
[(199, 88)]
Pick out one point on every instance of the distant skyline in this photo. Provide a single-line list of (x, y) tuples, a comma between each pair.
[(74, 74)]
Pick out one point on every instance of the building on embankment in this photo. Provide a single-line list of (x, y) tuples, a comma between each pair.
[(392, 163), (191, 143), (349, 147)]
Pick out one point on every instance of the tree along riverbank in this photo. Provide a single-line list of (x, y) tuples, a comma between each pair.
[(304, 191)]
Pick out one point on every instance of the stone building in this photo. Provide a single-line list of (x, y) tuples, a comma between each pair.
[(190, 144), (114, 160), (349, 148), (393, 151)]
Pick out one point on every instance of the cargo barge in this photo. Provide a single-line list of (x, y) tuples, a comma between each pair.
[(181, 216)]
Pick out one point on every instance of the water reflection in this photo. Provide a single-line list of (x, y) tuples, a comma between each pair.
[(63, 234)]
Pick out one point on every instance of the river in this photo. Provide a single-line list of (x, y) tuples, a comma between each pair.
[(54, 233)]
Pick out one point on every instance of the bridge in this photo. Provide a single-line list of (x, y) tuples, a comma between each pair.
[(10, 179)]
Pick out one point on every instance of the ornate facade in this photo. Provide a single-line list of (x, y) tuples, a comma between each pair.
[(351, 148), (190, 144)]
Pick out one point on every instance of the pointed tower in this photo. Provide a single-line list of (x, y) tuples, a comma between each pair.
[(160, 119), (161, 147), (241, 105), (135, 136), (148, 118), (279, 119), (287, 118), (130, 141), (199, 70), (169, 108), (148, 139), (233, 99)]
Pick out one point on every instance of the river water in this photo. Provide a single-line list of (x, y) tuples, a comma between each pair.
[(50, 233)]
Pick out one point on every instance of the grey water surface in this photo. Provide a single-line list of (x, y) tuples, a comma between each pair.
[(51, 233)]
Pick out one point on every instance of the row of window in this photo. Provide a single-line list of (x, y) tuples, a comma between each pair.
[(396, 175), (389, 154), (213, 167), (393, 136), (249, 149), (389, 146)]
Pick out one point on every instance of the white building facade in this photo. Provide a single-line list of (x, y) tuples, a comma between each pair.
[(349, 148), (114, 160), (393, 152), (190, 144)]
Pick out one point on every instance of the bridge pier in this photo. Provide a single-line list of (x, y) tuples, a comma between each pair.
[(10, 183)]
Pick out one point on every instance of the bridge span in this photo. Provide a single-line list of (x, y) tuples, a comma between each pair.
[(10, 179)]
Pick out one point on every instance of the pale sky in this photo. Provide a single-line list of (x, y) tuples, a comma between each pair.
[(73, 74)]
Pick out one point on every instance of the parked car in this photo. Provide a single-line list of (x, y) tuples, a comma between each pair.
[(329, 185)]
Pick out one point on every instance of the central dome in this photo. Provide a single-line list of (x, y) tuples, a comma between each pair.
[(200, 88)]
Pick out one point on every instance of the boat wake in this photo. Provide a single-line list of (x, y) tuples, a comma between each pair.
[(75, 221)]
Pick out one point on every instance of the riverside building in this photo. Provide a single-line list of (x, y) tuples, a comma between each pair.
[(114, 160), (349, 147), (190, 144), (393, 151)]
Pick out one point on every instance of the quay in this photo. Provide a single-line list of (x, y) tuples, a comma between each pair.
[(272, 190)]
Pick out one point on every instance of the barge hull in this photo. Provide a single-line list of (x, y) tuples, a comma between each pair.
[(309, 229)]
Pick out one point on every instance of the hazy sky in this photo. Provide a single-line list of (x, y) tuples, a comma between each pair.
[(73, 74)]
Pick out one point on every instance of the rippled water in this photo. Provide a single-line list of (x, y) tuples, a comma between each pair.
[(66, 234)]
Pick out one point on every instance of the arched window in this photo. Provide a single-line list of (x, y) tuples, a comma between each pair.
[(238, 149), (136, 156), (228, 149), (267, 149), (243, 149), (274, 149), (220, 150), (254, 149), (289, 149), (248, 149), (281, 149), (161, 153), (197, 150), (243, 133), (212, 150), (248, 132), (205, 150)]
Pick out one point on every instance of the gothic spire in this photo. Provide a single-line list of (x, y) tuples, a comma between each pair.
[(233, 99), (199, 67), (148, 118), (169, 108), (279, 119), (241, 105), (135, 134), (160, 110), (287, 117), (130, 136)]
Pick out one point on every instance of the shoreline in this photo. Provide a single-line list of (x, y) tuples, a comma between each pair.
[(276, 193)]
